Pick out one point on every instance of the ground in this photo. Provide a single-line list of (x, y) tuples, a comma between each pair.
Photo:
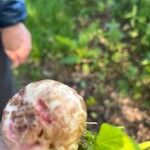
[(109, 108)]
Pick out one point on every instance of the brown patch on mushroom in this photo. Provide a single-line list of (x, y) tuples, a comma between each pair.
[(51, 146), (37, 143), (24, 117), (41, 133), (5, 113), (16, 102), (22, 92)]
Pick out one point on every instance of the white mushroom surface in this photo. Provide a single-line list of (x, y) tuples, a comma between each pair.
[(44, 115)]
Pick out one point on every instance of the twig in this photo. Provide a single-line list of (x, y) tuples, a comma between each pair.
[(91, 123)]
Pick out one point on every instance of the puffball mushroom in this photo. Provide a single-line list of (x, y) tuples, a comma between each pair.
[(44, 115)]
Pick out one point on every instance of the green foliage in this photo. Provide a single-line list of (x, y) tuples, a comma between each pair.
[(111, 137), (91, 101), (145, 145), (108, 37), (114, 35)]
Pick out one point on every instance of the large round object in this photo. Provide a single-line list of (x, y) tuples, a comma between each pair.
[(44, 115)]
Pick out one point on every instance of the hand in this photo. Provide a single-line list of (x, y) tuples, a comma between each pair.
[(16, 40)]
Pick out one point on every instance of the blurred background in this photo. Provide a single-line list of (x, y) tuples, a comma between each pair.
[(101, 48)]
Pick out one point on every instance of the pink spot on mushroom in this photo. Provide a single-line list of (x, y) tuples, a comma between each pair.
[(10, 134), (43, 112)]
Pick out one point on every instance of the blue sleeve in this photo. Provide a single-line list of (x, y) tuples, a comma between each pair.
[(12, 12)]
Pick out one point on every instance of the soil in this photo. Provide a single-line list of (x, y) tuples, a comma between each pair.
[(112, 108), (109, 107)]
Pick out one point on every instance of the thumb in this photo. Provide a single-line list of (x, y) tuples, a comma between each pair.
[(13, 56)]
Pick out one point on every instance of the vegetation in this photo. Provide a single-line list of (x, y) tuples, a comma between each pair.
[(109, 38), (111, 138), (93, 43)]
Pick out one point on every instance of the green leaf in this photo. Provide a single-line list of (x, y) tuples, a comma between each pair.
[(123, 87), (70, 60), (116, 57), (88, 34), (114, 138), (145, 62), (90, 137), (91, 101), (145, 145), (131, 72), (114, 34), (133, 33), (94, 115), (101, 6), (86, 69), (109, 138), (133, 12), (65, 42), (129, 144), (88, 53), (90, 147)]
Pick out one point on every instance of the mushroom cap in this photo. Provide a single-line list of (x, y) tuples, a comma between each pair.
[(44, 115)]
